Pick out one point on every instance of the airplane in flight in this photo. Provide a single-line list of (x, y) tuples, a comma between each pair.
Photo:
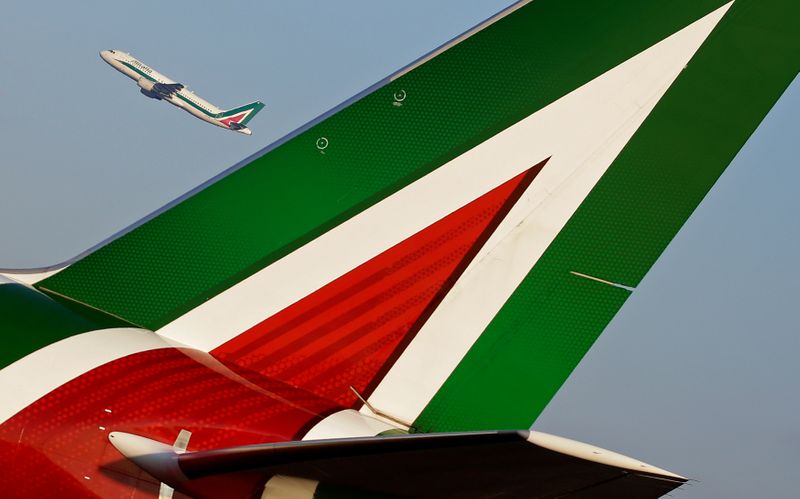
[(345, 314), (157, 86)]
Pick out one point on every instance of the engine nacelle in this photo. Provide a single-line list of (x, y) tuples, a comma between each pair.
[(146, 88), (145, 84)]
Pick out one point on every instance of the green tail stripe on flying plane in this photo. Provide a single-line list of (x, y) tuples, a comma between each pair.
[(293, 193), (254, 106)]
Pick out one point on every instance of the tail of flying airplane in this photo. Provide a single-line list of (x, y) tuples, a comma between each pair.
[(237, 118), (438, 254)]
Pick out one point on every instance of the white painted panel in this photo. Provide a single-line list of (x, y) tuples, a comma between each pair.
[(347, 423), (289, 487), (29, 278), (595, 454)]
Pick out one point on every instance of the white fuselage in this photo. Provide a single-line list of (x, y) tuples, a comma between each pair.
[(183, 98)]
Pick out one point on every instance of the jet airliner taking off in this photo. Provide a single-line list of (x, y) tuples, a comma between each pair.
[(347, 314), (157, 86)]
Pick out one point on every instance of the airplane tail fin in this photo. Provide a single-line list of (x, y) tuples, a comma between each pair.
[(452, 243), (240, 116)]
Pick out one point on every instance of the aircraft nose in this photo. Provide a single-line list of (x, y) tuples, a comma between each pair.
[(105, 55)]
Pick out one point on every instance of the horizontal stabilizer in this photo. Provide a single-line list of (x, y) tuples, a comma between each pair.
[(505, 464)]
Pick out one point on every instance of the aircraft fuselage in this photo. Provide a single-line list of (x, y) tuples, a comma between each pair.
[(150, 80)]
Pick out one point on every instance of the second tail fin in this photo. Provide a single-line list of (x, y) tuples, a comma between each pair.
[(240, 116)]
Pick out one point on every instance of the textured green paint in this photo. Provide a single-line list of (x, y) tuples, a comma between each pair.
[(541, 333), (31, 320), (294, 193), (526, 353)]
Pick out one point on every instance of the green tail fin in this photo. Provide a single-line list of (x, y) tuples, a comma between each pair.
[(637, 108), (248, 111)]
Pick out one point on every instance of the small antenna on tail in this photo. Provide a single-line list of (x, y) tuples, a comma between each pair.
[(380, 413)]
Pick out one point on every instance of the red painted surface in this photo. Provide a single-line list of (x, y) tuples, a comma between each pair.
[(49, 448), (350, 331), (272, 383), (233, 119)]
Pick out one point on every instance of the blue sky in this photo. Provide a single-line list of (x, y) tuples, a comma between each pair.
[(696, 374)]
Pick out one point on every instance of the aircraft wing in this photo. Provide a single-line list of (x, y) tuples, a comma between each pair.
[(499, 464), (166, 90)]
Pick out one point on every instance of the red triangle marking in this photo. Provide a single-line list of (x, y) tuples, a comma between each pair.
[(350, 331), (234, 119)]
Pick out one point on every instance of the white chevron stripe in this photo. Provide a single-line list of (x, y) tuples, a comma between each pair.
[(601, 118), (29, 278), (583, 132), (37, 374)]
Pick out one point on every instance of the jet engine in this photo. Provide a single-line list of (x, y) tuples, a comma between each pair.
[(146, 84), (146, 87)]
